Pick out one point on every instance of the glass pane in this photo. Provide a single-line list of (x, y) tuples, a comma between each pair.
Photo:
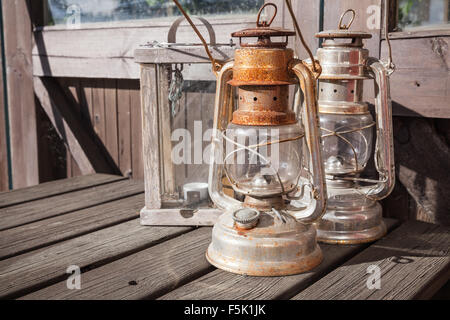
[(187, 154), (422, 13), (87, 11)]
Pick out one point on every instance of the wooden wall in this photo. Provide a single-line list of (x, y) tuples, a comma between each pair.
[(110, 112)]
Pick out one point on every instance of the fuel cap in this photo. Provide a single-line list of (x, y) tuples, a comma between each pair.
[(246, 218)]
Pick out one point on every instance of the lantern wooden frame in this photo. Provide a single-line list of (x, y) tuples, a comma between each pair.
[(155, 62)]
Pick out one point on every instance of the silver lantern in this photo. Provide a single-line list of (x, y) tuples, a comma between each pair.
[(353, 214)]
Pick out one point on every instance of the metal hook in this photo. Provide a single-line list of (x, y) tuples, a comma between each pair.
[(345, 26), (265, 24)]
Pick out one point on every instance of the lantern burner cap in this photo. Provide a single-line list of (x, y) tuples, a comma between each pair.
[(263, 32)]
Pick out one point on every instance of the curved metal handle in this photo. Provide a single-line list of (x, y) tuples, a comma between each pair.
[(223, 108), (307, 82), (216, 64), (384, 151), (172, 35), (265, 23), (346, 26)]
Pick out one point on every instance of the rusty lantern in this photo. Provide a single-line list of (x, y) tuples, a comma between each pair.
[(260, 148), (353, 214)]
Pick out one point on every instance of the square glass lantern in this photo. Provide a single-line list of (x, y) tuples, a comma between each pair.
[(177, 99)]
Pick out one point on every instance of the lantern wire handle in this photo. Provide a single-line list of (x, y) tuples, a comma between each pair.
[(265, 23), (217, 65), (346, 26), (299, 34)]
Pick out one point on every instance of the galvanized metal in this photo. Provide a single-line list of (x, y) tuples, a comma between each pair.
[(273, 248), (350, 218)]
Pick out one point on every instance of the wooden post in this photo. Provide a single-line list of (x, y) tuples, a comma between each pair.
[(19, 78), (150, 135)]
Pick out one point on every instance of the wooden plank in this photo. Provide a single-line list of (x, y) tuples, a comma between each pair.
[(111, 141), (150, 136), (105, 68), (417, 33), (54, 188), (124, 127), (414, 262), (165, 130), (422, 157), (72, 90), (136, 132), (145, 274), (86, 153), (42, 233), (223, 285), (96, 42), (86, 103), (420, 86), (19, 72), (4, 177), (114, 68), (31, 271), (98, 106), (95, 56), (61, 204)]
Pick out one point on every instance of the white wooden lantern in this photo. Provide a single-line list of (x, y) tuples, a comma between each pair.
[(175, 124)]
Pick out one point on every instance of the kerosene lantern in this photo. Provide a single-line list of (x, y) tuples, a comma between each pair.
[(353, 214), (260, 149)]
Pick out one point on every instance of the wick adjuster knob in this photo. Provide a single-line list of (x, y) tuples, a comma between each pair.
[(246, 218)]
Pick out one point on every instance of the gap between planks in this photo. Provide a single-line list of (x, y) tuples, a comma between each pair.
[(414, 262), (170, 265), (33, 211), (43, 233)]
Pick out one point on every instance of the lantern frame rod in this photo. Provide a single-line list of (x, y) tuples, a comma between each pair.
[(299, 34)]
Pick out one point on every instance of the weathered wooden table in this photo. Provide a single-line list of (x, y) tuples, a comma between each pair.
[(92, 222)]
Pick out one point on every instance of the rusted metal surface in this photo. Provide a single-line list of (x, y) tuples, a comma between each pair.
[(263, 105), (274, 248), (262, 76), (265, 203), (262, 66)]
